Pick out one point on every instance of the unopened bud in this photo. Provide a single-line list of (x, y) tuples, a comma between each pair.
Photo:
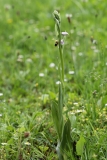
[(57, 16)]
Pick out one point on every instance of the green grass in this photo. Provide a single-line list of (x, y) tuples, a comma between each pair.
[(27, 49)]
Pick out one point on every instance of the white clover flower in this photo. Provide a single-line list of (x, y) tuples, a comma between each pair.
[(4, 144), (0, 115), (80, 54), (71, 72), (1, 94), (73, 48), (58, 82), (65, 80), (29, 60), (27, 143), (41, 74), (52, 65), (69, 15), (75, 103)]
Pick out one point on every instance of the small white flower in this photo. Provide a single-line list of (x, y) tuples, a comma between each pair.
[(96, 50), (64, 33), (71, 72), (41, 74), (4, 144), (77, 44), (69, 15), (1, 94), (52, 65), (0, 115), (65, 80), (29, 60), (20, 56), (71, 113), (27, 143), (79, 111), (80, 54), (58, 82), (75, 103), (73, 48)]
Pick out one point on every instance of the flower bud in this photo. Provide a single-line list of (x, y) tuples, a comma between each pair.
[(57, 16)]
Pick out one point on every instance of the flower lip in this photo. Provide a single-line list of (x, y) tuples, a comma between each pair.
[(62, 42)]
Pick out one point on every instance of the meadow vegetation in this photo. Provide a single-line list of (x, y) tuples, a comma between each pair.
[(29, 78)]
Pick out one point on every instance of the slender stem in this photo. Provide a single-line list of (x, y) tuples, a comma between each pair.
[(61, 59), (61, 52), (58, 25)]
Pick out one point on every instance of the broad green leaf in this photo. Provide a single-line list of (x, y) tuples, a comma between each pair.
[(60, 100), (80, 145), (57, 119), (66, 138), (52, 95), (10, 141), (10, 128), (54, 110)]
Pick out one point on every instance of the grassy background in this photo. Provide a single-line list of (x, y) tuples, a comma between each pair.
[(27, 49)]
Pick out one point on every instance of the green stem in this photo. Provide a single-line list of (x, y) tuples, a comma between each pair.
[(61, 59), (61, 53)]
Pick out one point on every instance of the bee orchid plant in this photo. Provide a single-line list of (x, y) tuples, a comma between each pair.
[(63, 128)]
